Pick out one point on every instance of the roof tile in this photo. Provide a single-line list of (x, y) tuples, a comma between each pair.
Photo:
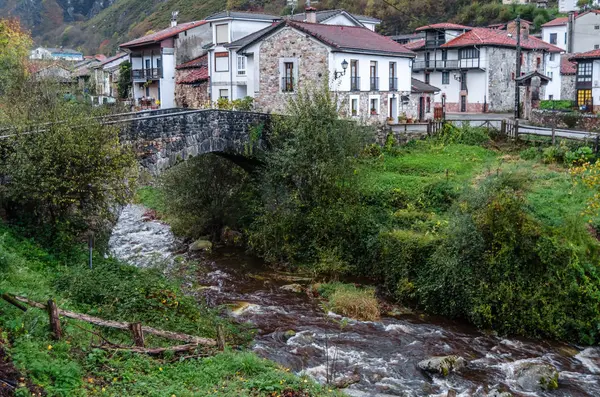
[(492, 37), (163, 34), (445, 26), (566, 66), (594, 54)]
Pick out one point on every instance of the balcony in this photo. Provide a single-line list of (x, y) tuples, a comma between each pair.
[(287, 84), (147, 74), (393, 84), (354, 83), (454, 64), (434, 43), (374, 83)]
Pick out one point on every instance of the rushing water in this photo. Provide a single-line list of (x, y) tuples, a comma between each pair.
[(382, 356)]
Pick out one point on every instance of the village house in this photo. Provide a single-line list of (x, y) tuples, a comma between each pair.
[(338, 17), (82, 71), (56, 54), (587, 83), (368, 72), (191, 89), (106, 75), (574, 33), (565, 6), (154, 58), (476, 67), (562, 72)]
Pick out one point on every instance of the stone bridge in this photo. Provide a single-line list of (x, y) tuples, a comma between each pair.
[(163, 138)]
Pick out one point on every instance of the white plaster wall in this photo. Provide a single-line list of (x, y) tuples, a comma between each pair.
[(585, 35), (167, 83), (596, 82), (339, 20), (560, 35), (242, 28), (553, 71), (369, 25)]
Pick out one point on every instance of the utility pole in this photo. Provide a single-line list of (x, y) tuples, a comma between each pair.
[(518, 71)]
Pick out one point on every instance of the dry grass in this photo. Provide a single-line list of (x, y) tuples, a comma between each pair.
[(352, 302)]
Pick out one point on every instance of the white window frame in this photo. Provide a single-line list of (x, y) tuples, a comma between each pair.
[(357, 99), (241, 65), (378, 107), (223, 63), (226, 33), (221, 90)]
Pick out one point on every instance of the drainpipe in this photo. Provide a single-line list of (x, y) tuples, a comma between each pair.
[(230, 75)]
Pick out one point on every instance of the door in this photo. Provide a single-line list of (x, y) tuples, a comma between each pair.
[(354, 79), (463, 103), (393, 109), (421, 108)]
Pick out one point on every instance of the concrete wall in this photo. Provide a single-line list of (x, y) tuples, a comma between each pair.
[(585, 34), (561, 39)]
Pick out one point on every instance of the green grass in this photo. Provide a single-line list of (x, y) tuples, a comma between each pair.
[(151, 197), (73, 367)]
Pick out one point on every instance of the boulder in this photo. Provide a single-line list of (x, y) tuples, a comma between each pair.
[(443, 365), (498, 393), (200, 245), (289, 334), (537, 376), (292, 287), (342, 383)]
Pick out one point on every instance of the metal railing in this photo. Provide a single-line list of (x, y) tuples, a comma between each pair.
[(393, 84), (151, 73), (354, 83), (434, 43), (374, 83), (453, 64), (287, 84)]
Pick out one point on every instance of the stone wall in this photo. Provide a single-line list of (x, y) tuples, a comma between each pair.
[(567, 88), (192, 95), (312, 64), (162, 140), (546, 118)]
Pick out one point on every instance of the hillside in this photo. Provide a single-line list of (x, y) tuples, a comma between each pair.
[(100, 25)]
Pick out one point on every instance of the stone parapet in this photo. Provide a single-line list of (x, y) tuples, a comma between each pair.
[(583, 121)]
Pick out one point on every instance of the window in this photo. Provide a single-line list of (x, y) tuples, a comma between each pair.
[(287, 83), (148, 64), (584, 98), (463, 81), (241, 65), (468, 53), (221, 62), (354, 78), (354, 106), (393, 79), (428, 105), (552, 57), (374, 78), (147, 91), (159, 64), (222, 33), (538, 62), (596, 46), (553, 38), (584, 72), (427, 78), (224, 93), (597, 27), (566, 37), (374, 105), (551, 97), (551, 74), (445, 77)]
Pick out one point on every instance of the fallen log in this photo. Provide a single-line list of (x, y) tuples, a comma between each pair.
[(13, 302), (122, 325), (149, 351)]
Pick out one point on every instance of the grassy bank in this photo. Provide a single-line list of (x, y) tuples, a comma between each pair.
[(112, 290)]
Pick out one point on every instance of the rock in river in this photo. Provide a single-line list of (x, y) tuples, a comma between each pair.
[(292, 287), (201, 245), (443, 365), (536, 376)]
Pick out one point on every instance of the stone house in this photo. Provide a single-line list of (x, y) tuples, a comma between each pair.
[(476, 67), (368, 72), (105, 78), (154, 58), (419, 105), (233, 29), (192, 81), (587, 83)]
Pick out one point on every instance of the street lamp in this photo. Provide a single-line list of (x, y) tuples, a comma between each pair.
[(337, 74)]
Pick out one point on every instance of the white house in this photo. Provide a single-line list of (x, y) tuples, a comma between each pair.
[(56, 54), (574, 33), (587, 83), (565, 6), (475, 67), (562, 72), (555, 32), (369, 73), (338, 17), (154, 58)]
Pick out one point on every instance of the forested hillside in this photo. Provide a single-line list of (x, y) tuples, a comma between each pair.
[(100, 25)]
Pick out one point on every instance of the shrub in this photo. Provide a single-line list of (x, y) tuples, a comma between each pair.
[(556, 105), (465, 134), (580, 156), (555, 154), (531, 153), (351, 301), (570, 120)]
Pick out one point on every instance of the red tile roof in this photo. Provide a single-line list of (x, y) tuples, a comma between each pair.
[(566, 66), (415, 45), (162, 35), (351, 38), (556, 22), (194, 76), (445, 26), (194, 63), (492, 37), (113, 58), (594, 54)]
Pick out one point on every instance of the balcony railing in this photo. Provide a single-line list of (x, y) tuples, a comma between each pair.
[(434, 43), (393, 84), (374, 83), (287, 84), (454, 64), (147, 74), (354, 83)]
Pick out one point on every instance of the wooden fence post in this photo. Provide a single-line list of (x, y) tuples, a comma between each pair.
[(220, 337), (503, 128), (516, 129), (138, 334), (596, 144), (54, 320)]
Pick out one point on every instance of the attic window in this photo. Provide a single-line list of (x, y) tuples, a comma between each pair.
[(222, 34)]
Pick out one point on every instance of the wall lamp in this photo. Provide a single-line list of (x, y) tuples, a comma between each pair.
[(337, 74)]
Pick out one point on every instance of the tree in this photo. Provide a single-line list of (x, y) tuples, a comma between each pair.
[(14, 48), (124, 82)]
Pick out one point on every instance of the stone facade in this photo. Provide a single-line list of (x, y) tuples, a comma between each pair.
[(192, 95), (163, 138), (546, 118), (567, 87), (311, 62)]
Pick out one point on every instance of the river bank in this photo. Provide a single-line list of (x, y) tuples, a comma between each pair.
[(382, 356)]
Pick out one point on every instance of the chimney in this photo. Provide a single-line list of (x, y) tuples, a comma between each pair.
[(524, 31), (174, 15), (311, 15), (570, 28), (511, 28)]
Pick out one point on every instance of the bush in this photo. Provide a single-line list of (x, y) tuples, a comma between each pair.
[(531, 153), (350, 301), (466, 134), (570, 119), (556, 105), (580, 156)]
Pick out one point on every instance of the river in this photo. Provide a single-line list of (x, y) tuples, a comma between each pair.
[(381, 357)]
